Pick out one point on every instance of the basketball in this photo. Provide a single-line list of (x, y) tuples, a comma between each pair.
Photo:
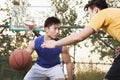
[(20, 59)]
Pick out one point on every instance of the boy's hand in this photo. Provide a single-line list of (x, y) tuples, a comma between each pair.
[(49, 44)]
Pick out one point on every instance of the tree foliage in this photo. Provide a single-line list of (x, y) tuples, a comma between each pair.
[(66, 14), (11, 40)]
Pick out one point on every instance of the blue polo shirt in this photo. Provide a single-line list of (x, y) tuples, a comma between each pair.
[(47, 58)]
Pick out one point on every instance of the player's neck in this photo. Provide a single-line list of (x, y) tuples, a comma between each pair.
[(46, 37)]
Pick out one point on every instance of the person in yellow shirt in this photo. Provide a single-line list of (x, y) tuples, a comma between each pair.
[(102, 17)]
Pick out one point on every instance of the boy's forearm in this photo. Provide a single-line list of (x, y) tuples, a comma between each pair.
[(69, 71)]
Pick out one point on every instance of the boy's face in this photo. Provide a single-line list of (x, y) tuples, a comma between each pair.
[(52, 31)]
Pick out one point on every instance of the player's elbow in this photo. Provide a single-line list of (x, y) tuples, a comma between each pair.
[(68, 63)]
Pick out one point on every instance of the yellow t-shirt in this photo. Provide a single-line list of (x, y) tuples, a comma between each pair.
[(109, 20)]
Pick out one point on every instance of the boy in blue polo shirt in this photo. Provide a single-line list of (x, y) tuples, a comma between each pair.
[(48, 63)]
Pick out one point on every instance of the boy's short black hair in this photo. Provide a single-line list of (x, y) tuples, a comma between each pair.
[(101, 4), (51, 20)]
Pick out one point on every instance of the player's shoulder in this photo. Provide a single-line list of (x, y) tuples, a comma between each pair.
[(109, 10), (102, 13), (39, 37)]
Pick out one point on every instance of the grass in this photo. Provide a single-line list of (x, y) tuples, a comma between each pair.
[(90, 73)]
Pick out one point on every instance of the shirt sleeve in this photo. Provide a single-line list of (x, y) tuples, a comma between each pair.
[(97, 21)]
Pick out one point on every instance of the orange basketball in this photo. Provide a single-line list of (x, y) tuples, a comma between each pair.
[(20, 59)]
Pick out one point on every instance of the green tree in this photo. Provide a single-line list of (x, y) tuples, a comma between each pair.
[(11, 40), (66, 14)]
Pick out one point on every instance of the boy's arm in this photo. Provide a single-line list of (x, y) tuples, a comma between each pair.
[(30, 47), (67, 60)]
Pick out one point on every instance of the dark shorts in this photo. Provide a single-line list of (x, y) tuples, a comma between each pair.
[(114, 71)]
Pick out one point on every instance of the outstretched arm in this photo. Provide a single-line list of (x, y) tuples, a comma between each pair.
[(71, 39)]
